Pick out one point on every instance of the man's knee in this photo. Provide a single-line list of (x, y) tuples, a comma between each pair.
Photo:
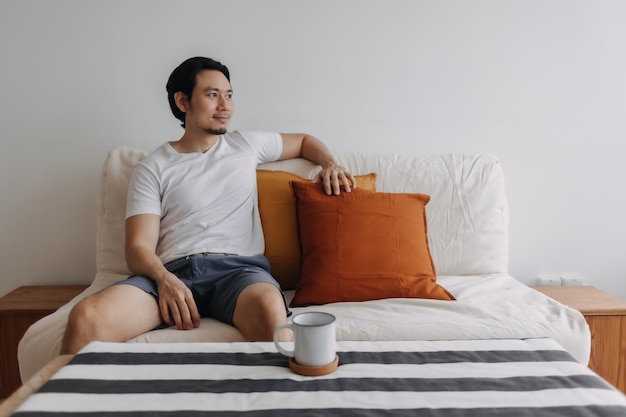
[(83, 314), (81, 326), (259, 310), (115, 314)]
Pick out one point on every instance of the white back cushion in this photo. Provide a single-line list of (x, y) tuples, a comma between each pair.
[(467, 213), (116, 173)]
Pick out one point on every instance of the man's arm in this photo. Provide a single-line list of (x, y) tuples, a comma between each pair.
[(175, 299), (306, 146)]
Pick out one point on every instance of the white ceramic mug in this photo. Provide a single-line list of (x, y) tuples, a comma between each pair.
[(313, 338)]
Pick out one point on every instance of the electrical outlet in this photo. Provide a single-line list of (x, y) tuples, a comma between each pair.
[(572, 280), (549, 280)]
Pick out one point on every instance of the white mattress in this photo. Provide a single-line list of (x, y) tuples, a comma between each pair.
[(493, 306)]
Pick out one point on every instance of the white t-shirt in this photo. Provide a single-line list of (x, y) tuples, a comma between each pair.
[(207, 201)]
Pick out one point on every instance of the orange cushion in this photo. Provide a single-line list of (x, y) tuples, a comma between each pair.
[(277, 207), (362, 246)]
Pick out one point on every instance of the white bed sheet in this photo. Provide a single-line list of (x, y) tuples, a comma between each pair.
[(493, 306), (487, 307)]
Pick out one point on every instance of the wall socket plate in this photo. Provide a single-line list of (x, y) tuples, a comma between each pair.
[(549, 280), (572, 280)]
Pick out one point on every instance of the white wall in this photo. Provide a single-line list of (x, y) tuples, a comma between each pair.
[(539, 83)]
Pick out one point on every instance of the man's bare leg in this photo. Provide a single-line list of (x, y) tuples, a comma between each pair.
[(115, 314), (259, 310)]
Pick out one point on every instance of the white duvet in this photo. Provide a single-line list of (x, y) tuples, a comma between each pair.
[(487, 307)]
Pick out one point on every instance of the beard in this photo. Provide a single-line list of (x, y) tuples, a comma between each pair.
[(213, 131)]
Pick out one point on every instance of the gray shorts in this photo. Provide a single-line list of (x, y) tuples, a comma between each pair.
[(215, 281)]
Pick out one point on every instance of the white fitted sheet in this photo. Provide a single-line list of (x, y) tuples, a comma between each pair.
[(495, 306)]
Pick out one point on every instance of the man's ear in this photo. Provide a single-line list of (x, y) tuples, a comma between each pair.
[(181, 101)]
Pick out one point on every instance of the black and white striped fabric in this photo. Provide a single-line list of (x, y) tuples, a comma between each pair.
[(532, 377)]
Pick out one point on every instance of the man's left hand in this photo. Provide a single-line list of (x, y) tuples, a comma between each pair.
[(333, 177)]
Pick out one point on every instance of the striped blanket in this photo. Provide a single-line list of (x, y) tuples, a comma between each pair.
[(532, 377)]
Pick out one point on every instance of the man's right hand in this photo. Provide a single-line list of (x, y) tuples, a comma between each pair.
[(177, 304)]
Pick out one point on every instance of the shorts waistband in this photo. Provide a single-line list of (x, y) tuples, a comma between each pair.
[(209, 254), (195, 255)]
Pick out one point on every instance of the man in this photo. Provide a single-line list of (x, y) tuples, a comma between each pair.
[(193, 235)]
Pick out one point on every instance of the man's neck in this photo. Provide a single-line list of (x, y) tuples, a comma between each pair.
[(189, 143)]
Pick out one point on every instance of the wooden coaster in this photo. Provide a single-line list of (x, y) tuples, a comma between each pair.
[(313, 370)]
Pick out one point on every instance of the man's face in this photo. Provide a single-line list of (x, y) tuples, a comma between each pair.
[(211, 105)]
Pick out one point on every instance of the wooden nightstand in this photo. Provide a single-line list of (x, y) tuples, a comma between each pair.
[(18, 310), (606, 316)]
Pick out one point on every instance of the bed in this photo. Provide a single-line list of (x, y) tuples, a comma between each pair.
[(507, 377), (467, 233)]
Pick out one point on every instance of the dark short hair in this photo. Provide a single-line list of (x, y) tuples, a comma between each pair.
[(183, 79)]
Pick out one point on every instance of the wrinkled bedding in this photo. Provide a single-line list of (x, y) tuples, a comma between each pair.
[(487, 307)]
